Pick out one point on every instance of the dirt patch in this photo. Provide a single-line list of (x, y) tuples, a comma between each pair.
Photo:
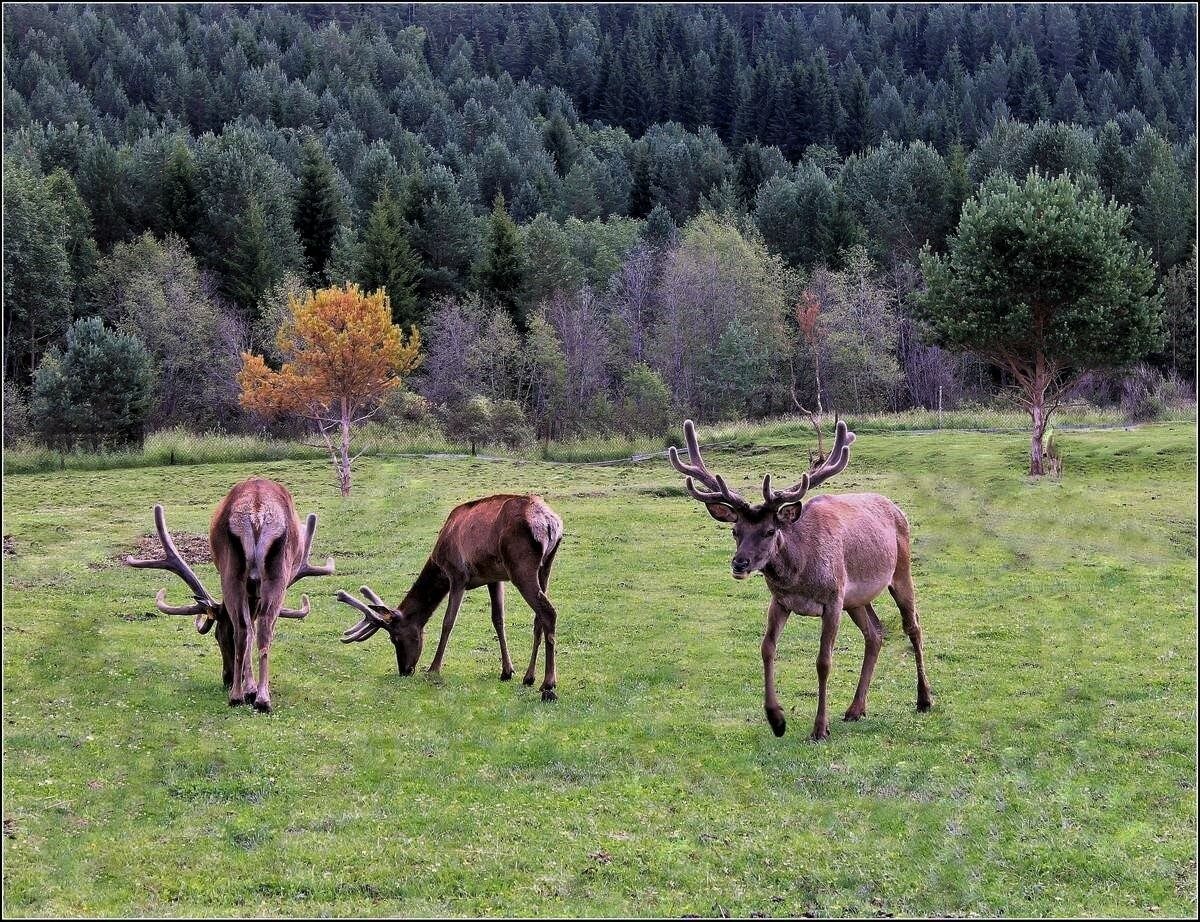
[(193, 548), (10, 546)]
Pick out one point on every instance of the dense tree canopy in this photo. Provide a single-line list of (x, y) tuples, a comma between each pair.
[(671, 178)]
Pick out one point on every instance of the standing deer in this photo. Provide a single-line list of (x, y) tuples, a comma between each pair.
[(832, 554), (483, 543), (259, 551)]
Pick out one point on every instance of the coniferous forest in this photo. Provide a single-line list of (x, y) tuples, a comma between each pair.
[(596, 217)]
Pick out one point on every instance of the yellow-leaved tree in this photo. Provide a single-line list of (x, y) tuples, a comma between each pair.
[(342, 354)]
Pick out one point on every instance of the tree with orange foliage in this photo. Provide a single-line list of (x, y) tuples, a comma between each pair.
[(342, 355)]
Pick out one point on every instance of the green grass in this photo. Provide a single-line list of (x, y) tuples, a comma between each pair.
[(1055, 776), (180, 447)]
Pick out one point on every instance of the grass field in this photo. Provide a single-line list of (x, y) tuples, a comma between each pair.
[(1055, 776)]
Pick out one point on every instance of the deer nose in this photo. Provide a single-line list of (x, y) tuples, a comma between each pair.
[(741, 564)]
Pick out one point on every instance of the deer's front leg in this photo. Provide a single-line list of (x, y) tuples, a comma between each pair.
[(456, 595), (830, 620), (242, 690), (777, 617)]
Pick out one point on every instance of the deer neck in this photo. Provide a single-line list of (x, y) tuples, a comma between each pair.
[(427, 592), (786, 567)]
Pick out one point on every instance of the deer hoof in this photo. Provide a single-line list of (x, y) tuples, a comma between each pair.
[(925, 705), (263, 705), (506, 675), (855, 714), (528, 680), (777, 722), (819, 733), (549, 694)]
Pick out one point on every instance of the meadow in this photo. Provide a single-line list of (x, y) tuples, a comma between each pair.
[(1054, 777)]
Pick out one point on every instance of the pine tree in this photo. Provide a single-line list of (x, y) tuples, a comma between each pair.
[(387, 260), (248, 269), (179, 202), (500, 274), (317, 207)]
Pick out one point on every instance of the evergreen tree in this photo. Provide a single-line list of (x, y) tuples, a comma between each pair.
[(179, 200), (317, 207), (96, 393), (249, 270), (500, 274), (386, 260)]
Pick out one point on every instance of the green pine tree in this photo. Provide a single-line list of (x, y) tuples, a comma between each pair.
[(387, 260), (500, 275), (317, 207)]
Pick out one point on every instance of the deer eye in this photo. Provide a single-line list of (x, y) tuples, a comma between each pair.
[(770, 532)]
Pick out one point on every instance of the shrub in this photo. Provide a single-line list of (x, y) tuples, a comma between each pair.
[(16, 412), (97, 393)]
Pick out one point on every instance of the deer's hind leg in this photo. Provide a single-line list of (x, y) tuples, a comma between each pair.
[(905, 594), (864, 616)]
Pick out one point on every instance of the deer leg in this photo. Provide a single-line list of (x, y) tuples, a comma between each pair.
[(537, 641), (865, 618), (904, 593), (456, 596), (265, 633), (777, 617), (544, 620), (224, 633), (496, 591), (829, 627)]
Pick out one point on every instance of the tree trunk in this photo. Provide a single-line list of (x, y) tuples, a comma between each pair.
[(1037, 411), (344, 449)]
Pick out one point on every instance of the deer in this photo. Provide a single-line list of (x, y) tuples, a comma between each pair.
[(484, 542), (832, 554), (259, 551)]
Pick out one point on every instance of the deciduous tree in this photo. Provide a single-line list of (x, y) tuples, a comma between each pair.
[(343, 355)]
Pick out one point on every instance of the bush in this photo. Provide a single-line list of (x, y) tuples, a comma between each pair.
[(16, 413), (1147, 396), (96, 394), (404, 406)]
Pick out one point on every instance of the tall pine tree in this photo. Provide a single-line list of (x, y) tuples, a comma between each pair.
[(317, 207), (500, 275), (387, 260)]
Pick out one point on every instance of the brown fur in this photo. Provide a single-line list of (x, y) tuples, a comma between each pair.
[(485, 542), (820, 558), (259, 550)]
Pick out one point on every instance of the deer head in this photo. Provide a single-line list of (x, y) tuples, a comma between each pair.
[(759, 529), (407, 634)]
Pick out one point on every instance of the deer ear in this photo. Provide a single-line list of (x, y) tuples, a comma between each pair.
[(384, 613), (721, 512), (789, 513)]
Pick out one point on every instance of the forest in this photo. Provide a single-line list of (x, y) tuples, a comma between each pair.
[(598, 218)]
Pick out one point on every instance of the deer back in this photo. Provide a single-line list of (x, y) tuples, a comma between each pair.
[(256, 542), (481, 539)]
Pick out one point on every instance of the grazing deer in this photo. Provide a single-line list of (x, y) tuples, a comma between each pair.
[(485, 542), (819, 558), (259, 551)]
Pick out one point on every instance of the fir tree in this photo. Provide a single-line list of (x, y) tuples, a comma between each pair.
[(317, 207), (500, 274), (387, 260)]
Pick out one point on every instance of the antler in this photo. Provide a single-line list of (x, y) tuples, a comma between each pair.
[(304, 568), (172, 561), (698, 470), (835, 463), (371, 621)]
